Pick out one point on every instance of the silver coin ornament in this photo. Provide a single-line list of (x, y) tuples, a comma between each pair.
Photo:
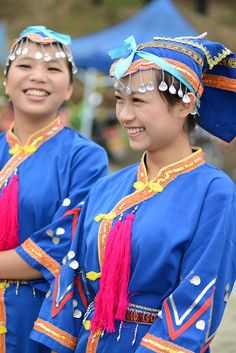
[(38, 55), (163, 86), (25, 51), (172, 89), (150, 86), (142, 88)]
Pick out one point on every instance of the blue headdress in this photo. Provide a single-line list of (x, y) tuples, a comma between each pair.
[(206, 68)]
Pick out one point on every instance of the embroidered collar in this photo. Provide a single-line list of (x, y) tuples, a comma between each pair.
[(35, 140), (144, 190), (22, 152)]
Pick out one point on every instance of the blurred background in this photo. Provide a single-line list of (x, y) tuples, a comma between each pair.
[(99, 25)]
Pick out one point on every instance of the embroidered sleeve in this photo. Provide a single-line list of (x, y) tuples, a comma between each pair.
[(66, 302), (191, 314), (45, 249)]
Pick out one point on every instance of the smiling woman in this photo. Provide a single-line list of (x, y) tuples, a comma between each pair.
[(45, 170)]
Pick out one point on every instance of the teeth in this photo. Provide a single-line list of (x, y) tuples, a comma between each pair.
[(34, 92), (135, 130)]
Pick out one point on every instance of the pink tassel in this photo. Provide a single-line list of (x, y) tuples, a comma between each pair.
[(112, 298), (9, 215)]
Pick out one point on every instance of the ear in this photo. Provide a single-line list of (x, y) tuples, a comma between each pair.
[(69, 92), (186, 108)]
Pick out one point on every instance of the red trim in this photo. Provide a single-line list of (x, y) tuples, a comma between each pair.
[(81, 293), (57, 309), (174, 334), (75, 212), (206, 346)]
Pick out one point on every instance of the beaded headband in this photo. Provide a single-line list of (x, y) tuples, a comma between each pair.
[(40, 35)]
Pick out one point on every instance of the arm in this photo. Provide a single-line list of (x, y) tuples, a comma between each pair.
[(191, 315), (12, 266), (45, 249)]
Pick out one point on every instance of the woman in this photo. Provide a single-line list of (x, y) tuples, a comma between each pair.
[(153, 261), (46, 169)]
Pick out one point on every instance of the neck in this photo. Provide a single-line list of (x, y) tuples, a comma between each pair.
[(166, 155), (24, 128)]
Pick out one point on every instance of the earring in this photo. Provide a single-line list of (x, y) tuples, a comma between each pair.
[(194, 111), (4, 83)]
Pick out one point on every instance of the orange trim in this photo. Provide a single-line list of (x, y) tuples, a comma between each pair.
[(41, 257), (163, 178), (159, 345), (55, 333), (92, 343), (2, 320), (75, 212), (174, 334), (32, 144), (215, 81)]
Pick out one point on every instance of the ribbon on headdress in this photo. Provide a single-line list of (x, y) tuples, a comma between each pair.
[(129, 49), (43, 31)]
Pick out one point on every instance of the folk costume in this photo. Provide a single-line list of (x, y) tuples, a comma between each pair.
[(41, 181), (153, 262)]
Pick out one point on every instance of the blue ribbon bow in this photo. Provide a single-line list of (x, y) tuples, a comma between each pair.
[(44, 32)]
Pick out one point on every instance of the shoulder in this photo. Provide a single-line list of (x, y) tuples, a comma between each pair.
[(217, 178), (123, 176), (77, 143)]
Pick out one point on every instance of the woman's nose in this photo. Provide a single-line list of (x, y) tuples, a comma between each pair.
[(125, 113), (38, 74)]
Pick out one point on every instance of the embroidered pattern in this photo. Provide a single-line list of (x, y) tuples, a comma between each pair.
[(2, 321), (228, 62), (141, 314), (212, 61), (176, 333), (55, 333), (75, 212), (181, 49), (220, 82), (41, 257), (159, 345), (92, 343), (164, 177), (21, 153)]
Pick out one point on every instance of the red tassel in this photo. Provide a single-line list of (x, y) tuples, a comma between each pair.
[(9, 215), (112, 298)]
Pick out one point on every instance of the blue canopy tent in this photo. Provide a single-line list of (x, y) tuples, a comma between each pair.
[(159, 17)]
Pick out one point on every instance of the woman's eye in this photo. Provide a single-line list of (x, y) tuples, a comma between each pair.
[(118, 98), (24, 66), (137, 100), (53, 68)]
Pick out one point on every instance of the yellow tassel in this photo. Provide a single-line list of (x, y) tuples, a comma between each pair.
[(93, 276), (155, 187), (109, 216), (86, 324), (139, 185), (27, 149), (2, 330)]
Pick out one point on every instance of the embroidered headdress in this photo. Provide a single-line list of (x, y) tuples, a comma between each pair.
[(42, 36), (203, 67)]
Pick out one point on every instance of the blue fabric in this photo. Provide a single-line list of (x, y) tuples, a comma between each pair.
[(47, 33), (64, 167), (185, 231), (159, 17)]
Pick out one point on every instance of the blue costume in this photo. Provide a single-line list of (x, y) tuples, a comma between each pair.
[(153, 261), (53, 176), (183, 262)]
